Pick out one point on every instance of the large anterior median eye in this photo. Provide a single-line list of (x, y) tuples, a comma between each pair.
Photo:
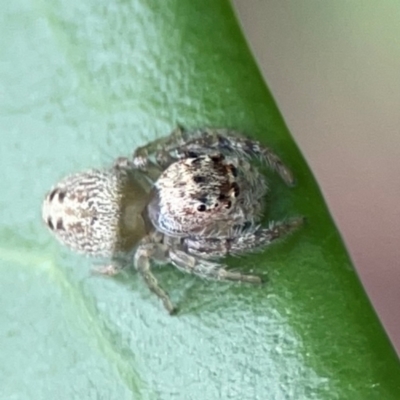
[(235, 189), (201, 208), (199, 179)]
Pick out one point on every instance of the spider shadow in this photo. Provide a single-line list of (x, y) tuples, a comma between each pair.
[(193, 295)]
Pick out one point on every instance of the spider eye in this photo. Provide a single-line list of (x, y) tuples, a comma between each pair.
[(234, 170), (236, 189), (228, 205), (199, 179), (201, 208), (191, 154), (217, 158)]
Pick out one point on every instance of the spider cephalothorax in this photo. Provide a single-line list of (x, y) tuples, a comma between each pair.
[(195, 193)]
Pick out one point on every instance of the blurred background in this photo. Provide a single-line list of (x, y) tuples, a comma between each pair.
[(334, 70)]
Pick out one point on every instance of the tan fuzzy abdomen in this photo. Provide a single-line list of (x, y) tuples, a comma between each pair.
[(96, 212)]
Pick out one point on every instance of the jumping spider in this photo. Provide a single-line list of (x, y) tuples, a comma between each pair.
[(198, 201)]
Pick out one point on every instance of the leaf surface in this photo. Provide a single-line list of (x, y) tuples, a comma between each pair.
[(87, 81)]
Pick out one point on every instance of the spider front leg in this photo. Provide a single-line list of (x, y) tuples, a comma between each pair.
[(147, 251), (232, 141), (243, 239), (159, 147), (150, 170), (208, 269), (164, 159)]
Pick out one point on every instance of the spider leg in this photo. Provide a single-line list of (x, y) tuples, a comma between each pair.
[(164, 158), (207, 269), (175, 139), (115, 265), (110, 269), (150, 170), (147, 251), (232, 141), (244, 239), (223, 139)]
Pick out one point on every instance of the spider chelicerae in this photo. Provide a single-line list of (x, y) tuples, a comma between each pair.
[(188, 199)]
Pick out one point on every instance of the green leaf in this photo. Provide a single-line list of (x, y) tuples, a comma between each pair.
[(87, 81)]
